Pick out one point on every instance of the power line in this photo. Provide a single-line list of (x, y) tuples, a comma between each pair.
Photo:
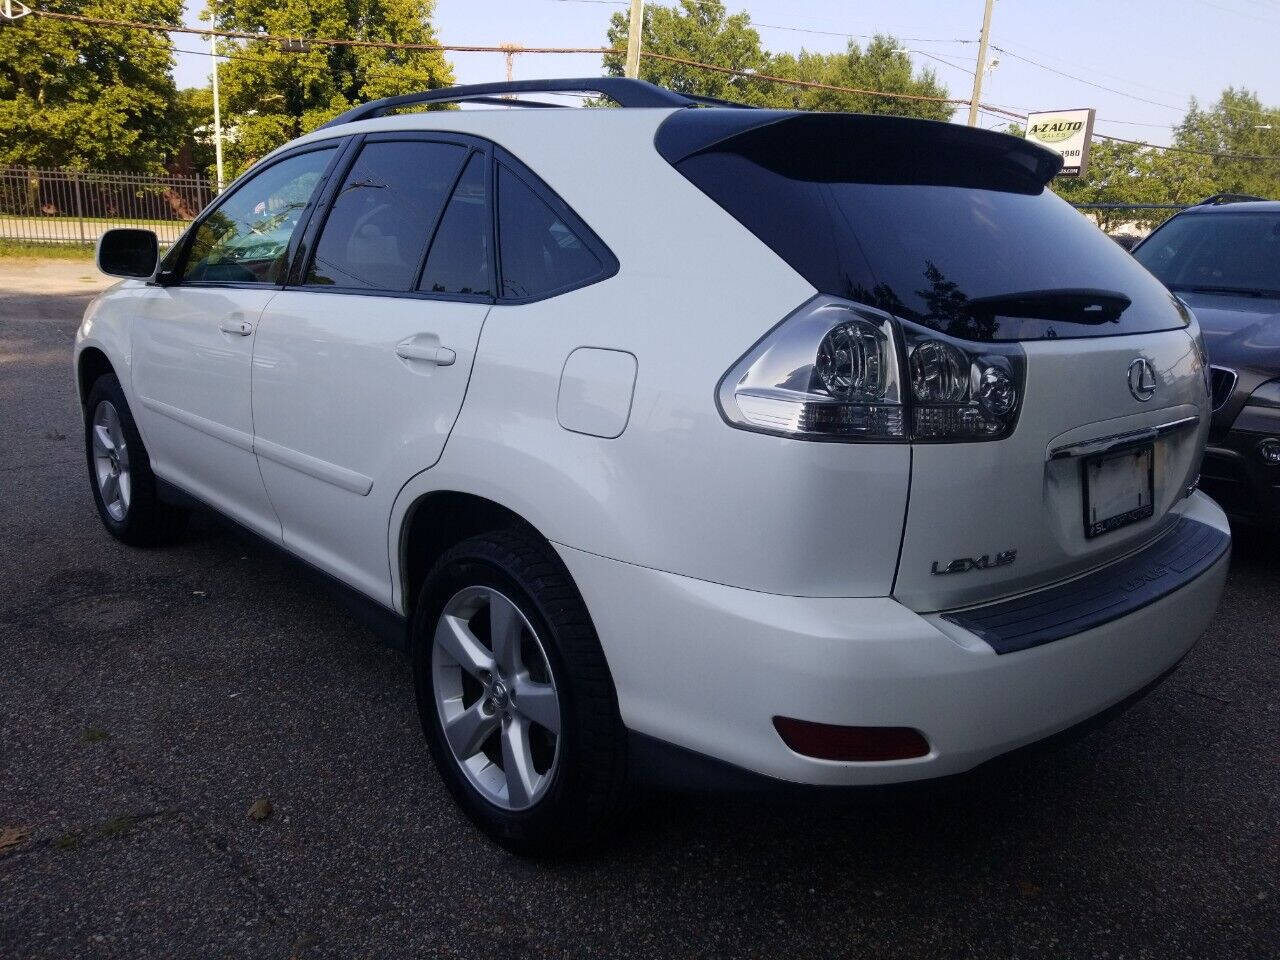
[(1189, 150), (1131, 96), (468, 48), (729, 71)]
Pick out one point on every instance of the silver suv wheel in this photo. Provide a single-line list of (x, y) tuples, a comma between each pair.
[(496, 697), (111, 461)]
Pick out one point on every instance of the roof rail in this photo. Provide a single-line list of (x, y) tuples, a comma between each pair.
[(624, 91), (1220, 198)]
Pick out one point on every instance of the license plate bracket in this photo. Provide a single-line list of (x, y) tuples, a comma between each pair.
[(1119, 489)]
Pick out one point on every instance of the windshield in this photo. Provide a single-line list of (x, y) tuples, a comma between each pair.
[(963, 241), (1235, 252)]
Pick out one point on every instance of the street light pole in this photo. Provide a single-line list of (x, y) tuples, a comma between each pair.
[(982, 64), (633, 38), (217, 111)]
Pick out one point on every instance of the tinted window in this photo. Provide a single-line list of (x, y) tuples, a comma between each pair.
[(383, 214), (460, 260), (540, 254), (970, 243), (246, 239), (1238, 251)]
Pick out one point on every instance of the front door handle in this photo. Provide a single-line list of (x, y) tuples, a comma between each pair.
[(426, 352), (240, 328)]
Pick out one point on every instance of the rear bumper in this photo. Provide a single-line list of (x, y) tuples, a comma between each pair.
[(706, 667)]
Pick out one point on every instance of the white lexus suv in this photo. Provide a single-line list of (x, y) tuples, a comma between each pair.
[(678, 440)]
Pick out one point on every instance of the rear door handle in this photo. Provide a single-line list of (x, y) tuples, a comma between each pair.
[(240, 328), (426, 352)]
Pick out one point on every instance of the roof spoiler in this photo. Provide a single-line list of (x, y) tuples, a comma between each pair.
[(869, 148)]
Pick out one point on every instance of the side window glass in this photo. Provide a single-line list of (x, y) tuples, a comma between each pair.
[(383, 214), (539, 253), (460, 260), (246, 239)]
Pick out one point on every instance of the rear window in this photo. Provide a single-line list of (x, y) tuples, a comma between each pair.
[(951, 230), (1235, 252)]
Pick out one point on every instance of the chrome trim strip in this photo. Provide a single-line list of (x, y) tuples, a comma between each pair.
[(219, 431), (341, 477), (1119, 441)]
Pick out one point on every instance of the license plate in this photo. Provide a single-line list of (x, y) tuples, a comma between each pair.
[(1119, 489)]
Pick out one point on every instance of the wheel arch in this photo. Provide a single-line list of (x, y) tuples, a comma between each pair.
[(436, 521), (91, 364)]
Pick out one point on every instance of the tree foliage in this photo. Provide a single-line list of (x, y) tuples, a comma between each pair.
[(86, 96), (269, 96), (883, 66), (1237, 124), (704, 31), (1131, 173)]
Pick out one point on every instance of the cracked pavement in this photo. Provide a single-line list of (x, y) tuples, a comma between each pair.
[(148, 698)]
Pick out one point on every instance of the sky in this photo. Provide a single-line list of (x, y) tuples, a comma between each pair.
[(1151, 56)]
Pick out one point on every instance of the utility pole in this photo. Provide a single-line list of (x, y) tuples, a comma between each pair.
[(633, 38), (982, 64), (217, 111)]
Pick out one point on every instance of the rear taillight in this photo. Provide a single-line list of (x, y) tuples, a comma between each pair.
[(961, 391), (836, 370), (827, 372)]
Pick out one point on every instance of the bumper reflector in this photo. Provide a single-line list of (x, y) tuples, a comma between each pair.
[(825, 741)]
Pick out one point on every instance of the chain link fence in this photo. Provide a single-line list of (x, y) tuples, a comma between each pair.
[(76, 206)]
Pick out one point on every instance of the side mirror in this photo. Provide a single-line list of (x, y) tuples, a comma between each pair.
[(127, 252)]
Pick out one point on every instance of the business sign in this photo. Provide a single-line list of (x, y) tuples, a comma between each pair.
[(1067, 133)]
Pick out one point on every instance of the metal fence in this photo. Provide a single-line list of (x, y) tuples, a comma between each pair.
[(1129, 220), (76, 206)]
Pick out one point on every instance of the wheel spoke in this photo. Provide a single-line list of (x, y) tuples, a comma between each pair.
[(505, 629), (538, 702), (468, 731), (110, 489), (126, 488), (517, 762), (102, 440), (453, 634)]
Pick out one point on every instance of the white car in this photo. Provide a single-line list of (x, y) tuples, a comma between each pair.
[(678, 440)]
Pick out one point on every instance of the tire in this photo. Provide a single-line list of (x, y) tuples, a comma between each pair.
[(580, 790), (129, 507)]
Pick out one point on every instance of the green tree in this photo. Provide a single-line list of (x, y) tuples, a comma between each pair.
[(270, 96), (704, 31), (194, 107), (700, 30), (1238, 123), (1119, 173), (883, 66), (86, 96)]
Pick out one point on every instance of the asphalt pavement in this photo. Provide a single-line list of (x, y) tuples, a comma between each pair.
[(148, 699)]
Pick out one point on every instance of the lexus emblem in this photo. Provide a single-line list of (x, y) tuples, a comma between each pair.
[(1142, 380)]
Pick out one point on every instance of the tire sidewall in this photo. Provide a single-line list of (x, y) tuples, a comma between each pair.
[(107, 389), (516, 829)]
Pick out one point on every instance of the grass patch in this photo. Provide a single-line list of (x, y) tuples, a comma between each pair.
[(25, 250), (116, 825), (114, 221), (68, 841)]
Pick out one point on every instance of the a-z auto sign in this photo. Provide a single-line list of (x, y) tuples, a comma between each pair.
[(1066, 132)]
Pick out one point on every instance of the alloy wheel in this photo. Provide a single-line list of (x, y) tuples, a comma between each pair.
[(496, 697), (111, 461)]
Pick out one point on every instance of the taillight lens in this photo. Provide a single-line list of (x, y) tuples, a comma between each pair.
[(836, 370), (827, 372), (959, 390)]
